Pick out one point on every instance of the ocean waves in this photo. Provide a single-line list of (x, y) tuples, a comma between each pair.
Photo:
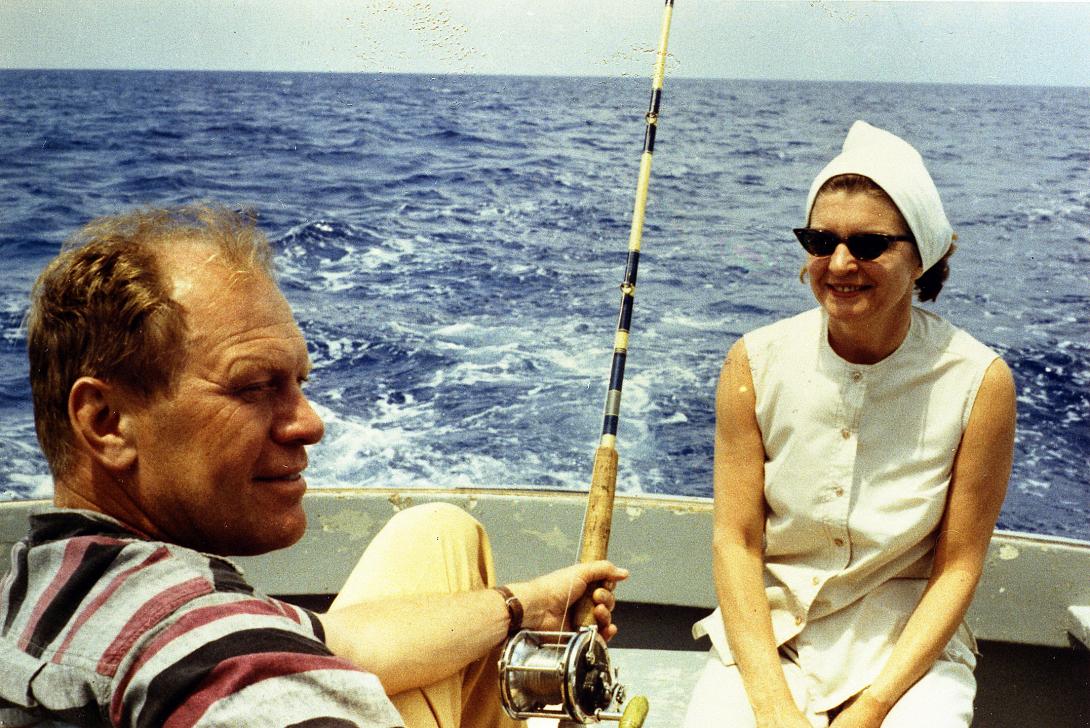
[(453, 246)]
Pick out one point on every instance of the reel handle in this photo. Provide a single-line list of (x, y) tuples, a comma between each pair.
[(596, 527), (635, 713)]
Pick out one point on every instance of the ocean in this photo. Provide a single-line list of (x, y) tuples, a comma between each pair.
[(452, 246)]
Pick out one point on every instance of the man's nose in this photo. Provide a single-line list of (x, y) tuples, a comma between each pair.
[(300, 423)]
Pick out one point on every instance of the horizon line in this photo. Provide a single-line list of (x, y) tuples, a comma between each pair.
[(678, 77)]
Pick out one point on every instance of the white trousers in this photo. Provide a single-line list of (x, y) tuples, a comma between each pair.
[(942, 698)]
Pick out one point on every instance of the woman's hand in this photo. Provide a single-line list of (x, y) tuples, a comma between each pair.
[(787, 717), (864, 711)]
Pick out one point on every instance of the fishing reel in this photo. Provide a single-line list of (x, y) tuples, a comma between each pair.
[(564, 675)]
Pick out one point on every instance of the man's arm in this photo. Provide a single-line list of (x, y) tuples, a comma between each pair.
[(181, 653), (413, 641)]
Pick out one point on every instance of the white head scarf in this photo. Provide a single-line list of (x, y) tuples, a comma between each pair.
[(895, 166)]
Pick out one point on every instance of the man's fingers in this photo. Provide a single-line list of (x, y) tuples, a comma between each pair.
[(604, 618), (604, 571), (605, 597)]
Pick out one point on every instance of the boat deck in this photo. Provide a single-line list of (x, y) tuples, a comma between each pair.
[(1018, 686), (665, 677)]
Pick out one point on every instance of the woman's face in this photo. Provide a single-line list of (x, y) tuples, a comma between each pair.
[(871, 295)]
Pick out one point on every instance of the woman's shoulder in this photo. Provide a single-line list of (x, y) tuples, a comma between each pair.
[(785, 342), (809, 320), (938, 333)]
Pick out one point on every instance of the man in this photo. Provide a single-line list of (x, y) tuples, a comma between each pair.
[(167, 374)]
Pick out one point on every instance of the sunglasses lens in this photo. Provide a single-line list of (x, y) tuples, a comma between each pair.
[(864, 246), (817, 242), (868, 246)]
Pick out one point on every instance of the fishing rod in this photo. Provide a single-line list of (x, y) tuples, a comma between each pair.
[(540, 670)]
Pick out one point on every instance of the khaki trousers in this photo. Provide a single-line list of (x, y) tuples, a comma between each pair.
[(430, 549)]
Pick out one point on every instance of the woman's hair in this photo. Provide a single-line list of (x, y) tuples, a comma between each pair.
[(930, 283), (103, 308)]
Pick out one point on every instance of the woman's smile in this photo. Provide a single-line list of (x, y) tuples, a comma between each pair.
[(868, 301)]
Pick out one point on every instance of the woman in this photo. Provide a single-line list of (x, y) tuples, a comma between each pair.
[(862, 454)]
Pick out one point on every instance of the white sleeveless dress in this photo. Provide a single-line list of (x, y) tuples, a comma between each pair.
[(858, 465)]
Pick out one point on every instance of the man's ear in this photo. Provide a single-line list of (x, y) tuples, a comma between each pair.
[(99, 418)]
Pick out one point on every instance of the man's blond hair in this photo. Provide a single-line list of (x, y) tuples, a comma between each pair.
[(103, 308)]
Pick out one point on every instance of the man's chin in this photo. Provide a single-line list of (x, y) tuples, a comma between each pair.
[(261, 538)]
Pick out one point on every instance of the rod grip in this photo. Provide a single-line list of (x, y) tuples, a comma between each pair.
[(596, 525)]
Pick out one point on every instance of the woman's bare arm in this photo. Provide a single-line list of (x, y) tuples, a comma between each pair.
[(738, 545), (978, 485)]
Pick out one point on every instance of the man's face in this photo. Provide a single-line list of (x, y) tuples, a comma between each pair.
[(220, 459)]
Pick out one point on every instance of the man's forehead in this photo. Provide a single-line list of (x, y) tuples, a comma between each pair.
[(222, 301), (191, 264), (238, 331)]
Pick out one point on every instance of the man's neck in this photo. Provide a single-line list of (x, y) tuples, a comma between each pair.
[(78, 491)]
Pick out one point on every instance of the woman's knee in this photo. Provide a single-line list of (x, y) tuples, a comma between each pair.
[(719, 697), (942, 698)]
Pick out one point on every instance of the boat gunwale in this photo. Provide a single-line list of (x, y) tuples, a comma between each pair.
[(1030, 583)]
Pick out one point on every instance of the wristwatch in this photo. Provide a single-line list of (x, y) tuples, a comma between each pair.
[(514, 609)]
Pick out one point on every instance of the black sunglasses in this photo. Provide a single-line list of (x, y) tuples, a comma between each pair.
[(862, 246)]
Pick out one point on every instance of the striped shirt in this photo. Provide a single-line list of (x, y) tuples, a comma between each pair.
[(99, 626)]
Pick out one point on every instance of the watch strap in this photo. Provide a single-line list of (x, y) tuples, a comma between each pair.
[(514, 609)]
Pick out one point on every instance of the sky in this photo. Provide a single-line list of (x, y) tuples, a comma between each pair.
[(946, 42)]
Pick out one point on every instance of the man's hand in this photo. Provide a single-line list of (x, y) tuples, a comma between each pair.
[(418, 639), (546, 599)]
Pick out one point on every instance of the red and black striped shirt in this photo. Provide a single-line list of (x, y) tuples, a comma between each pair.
[(102, 627)]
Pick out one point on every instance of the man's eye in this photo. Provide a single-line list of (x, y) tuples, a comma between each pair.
[(255, 388)]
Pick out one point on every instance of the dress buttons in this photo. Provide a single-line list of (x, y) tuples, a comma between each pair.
[(838, 541), (815, 581), (845, 433), (856, 376), (798, 619), (839, 492)]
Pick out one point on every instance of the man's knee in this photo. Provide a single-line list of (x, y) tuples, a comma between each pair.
[(445, 534), (429, 548), (437, 520)]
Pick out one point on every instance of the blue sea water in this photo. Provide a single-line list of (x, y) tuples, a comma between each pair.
[(452, 246)]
